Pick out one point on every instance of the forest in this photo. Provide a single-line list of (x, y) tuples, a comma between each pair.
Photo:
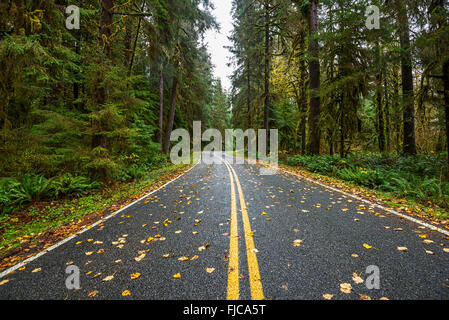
[(83, 109)]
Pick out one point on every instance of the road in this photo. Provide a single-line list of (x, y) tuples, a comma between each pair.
[(223, 231)]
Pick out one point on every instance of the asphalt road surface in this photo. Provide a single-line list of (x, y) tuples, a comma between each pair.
[(223, 231)]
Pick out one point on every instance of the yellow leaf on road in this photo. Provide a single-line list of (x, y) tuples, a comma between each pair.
[(36, 270), (210, 270), (177, 276), (139, 258), (135, 275), (92, 293), (108, 278), (297, 243), (402, 248), (345, 287), (328, 296), (356, 278), (126, 293), (367, 246)]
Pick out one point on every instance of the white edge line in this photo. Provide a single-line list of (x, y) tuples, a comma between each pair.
[(427, 225), (102, 220)]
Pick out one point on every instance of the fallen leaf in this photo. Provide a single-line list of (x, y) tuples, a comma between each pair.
[(345, 287), (177, 276), (36, 270), (328, 296), (367, 246), (108, 278), (210, 270), (402, 248), (183, 258), (126, 293), (364, 297), (135, 275), (297, 243), (4, 282), (92, 293), (139, 258), (356, 278)]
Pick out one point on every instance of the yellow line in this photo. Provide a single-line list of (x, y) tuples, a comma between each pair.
[(233, 269), (253, 266)]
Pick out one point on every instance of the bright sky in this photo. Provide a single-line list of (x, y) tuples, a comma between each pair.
[(217, 40)]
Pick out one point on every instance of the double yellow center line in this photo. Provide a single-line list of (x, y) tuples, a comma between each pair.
[(253, 267)]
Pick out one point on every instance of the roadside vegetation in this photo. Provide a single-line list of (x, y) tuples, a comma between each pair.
[(47, 212), (420, 179)]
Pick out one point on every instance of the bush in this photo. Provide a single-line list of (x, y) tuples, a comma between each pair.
[(70, 185), (16, 192), (418, 178)]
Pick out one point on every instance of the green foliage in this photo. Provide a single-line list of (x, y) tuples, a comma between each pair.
[(419, 178), (14, 193)]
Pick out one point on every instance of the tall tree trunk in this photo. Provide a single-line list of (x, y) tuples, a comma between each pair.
[(396, 106), (379, 103), (267, 73), (248, 98), (161, 105), (99, 139), (314, 74), (387, 114), (133, 52), (171, 117), (127, 42), (446, 104), (409, 146)]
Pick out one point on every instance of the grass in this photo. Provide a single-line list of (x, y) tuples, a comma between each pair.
[(22, 227)]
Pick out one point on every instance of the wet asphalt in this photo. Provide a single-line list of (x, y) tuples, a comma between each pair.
[(189, 219)]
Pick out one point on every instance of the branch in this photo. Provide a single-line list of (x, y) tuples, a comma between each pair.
[(142, 14)]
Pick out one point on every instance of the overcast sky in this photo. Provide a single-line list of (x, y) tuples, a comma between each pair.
[(217, 40)]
